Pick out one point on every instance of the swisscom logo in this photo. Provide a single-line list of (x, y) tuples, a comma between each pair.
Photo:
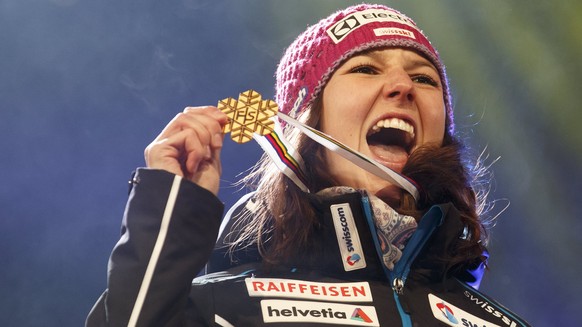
[(447, 312), (454, 316), (347, 237), (318, 312), (353, 259)]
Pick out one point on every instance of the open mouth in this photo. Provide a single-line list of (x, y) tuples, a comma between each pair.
[(391, 139)]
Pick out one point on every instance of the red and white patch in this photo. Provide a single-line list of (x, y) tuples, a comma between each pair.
[(292, 288)]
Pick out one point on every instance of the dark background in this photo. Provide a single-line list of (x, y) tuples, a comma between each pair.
[(86, 85)]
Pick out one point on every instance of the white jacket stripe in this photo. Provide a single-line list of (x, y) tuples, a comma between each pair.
[(145, 284)]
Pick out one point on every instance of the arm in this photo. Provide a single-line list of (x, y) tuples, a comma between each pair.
[(169, 229)]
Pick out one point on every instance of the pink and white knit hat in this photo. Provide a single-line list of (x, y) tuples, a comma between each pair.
[(311, 59)]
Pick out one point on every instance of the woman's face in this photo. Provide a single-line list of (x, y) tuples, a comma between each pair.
[(384, 104)]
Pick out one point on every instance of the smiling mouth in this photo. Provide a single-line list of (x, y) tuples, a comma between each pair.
[(390, 137)]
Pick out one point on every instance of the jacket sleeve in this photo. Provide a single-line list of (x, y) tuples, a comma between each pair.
[(169, 228)]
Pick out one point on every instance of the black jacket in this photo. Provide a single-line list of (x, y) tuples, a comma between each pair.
[(170, 228)]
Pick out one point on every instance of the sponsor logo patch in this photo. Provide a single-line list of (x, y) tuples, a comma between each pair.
[(453, 316), (298, 102), (318, 312), (490, 308), (394, 31), (291, 288), (344, 27), (347, 237)]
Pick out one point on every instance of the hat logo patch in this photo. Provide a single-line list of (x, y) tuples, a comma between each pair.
[(343, 28), (394, 31), (340, 30)]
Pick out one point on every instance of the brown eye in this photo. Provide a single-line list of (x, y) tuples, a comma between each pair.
[(425, 79), (364, 69)]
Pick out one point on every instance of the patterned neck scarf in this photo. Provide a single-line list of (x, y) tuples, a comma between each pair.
[(393, 229)]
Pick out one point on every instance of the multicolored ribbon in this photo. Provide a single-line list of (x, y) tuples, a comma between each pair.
[(284, 155), (357, 158), (252, 117)]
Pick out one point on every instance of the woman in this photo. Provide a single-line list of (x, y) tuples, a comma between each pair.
[(356, 249)]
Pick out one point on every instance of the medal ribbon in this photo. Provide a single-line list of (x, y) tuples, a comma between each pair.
[(252, 117)]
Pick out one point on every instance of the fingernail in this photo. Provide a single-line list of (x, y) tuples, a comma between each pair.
[(217, 140), (208, 153)]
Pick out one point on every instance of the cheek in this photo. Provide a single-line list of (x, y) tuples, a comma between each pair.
[(334, 115), (434, 123), (332, 127), (342, 114)]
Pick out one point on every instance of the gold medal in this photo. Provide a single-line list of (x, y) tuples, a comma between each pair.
[(247, 115)]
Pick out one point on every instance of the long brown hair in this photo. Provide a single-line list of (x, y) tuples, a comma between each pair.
[(283, 225)]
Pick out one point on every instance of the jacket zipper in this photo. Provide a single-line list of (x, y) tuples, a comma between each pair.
[(427, 225)]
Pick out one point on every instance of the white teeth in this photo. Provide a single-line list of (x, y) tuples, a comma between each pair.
[(394, 123)]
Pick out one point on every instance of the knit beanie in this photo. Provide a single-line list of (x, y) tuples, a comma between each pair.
[(312, 58)]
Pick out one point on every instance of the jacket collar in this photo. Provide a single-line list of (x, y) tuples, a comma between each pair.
[(431, 260)]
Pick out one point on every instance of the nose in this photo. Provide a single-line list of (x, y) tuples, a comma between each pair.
[(399, 86)]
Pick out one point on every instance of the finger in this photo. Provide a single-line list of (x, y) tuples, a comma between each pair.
[(195, 148), (195, 135), (215, 153), (182, 149), (210, 117), (218, 140), (212, 128), (159, 155), (208, 112)]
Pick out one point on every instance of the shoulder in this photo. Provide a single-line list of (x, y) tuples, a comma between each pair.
[(246, 203), (477, 307), (224, 257)]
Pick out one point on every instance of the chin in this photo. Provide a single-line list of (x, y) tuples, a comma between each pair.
[(389, 194), (396, 166)]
